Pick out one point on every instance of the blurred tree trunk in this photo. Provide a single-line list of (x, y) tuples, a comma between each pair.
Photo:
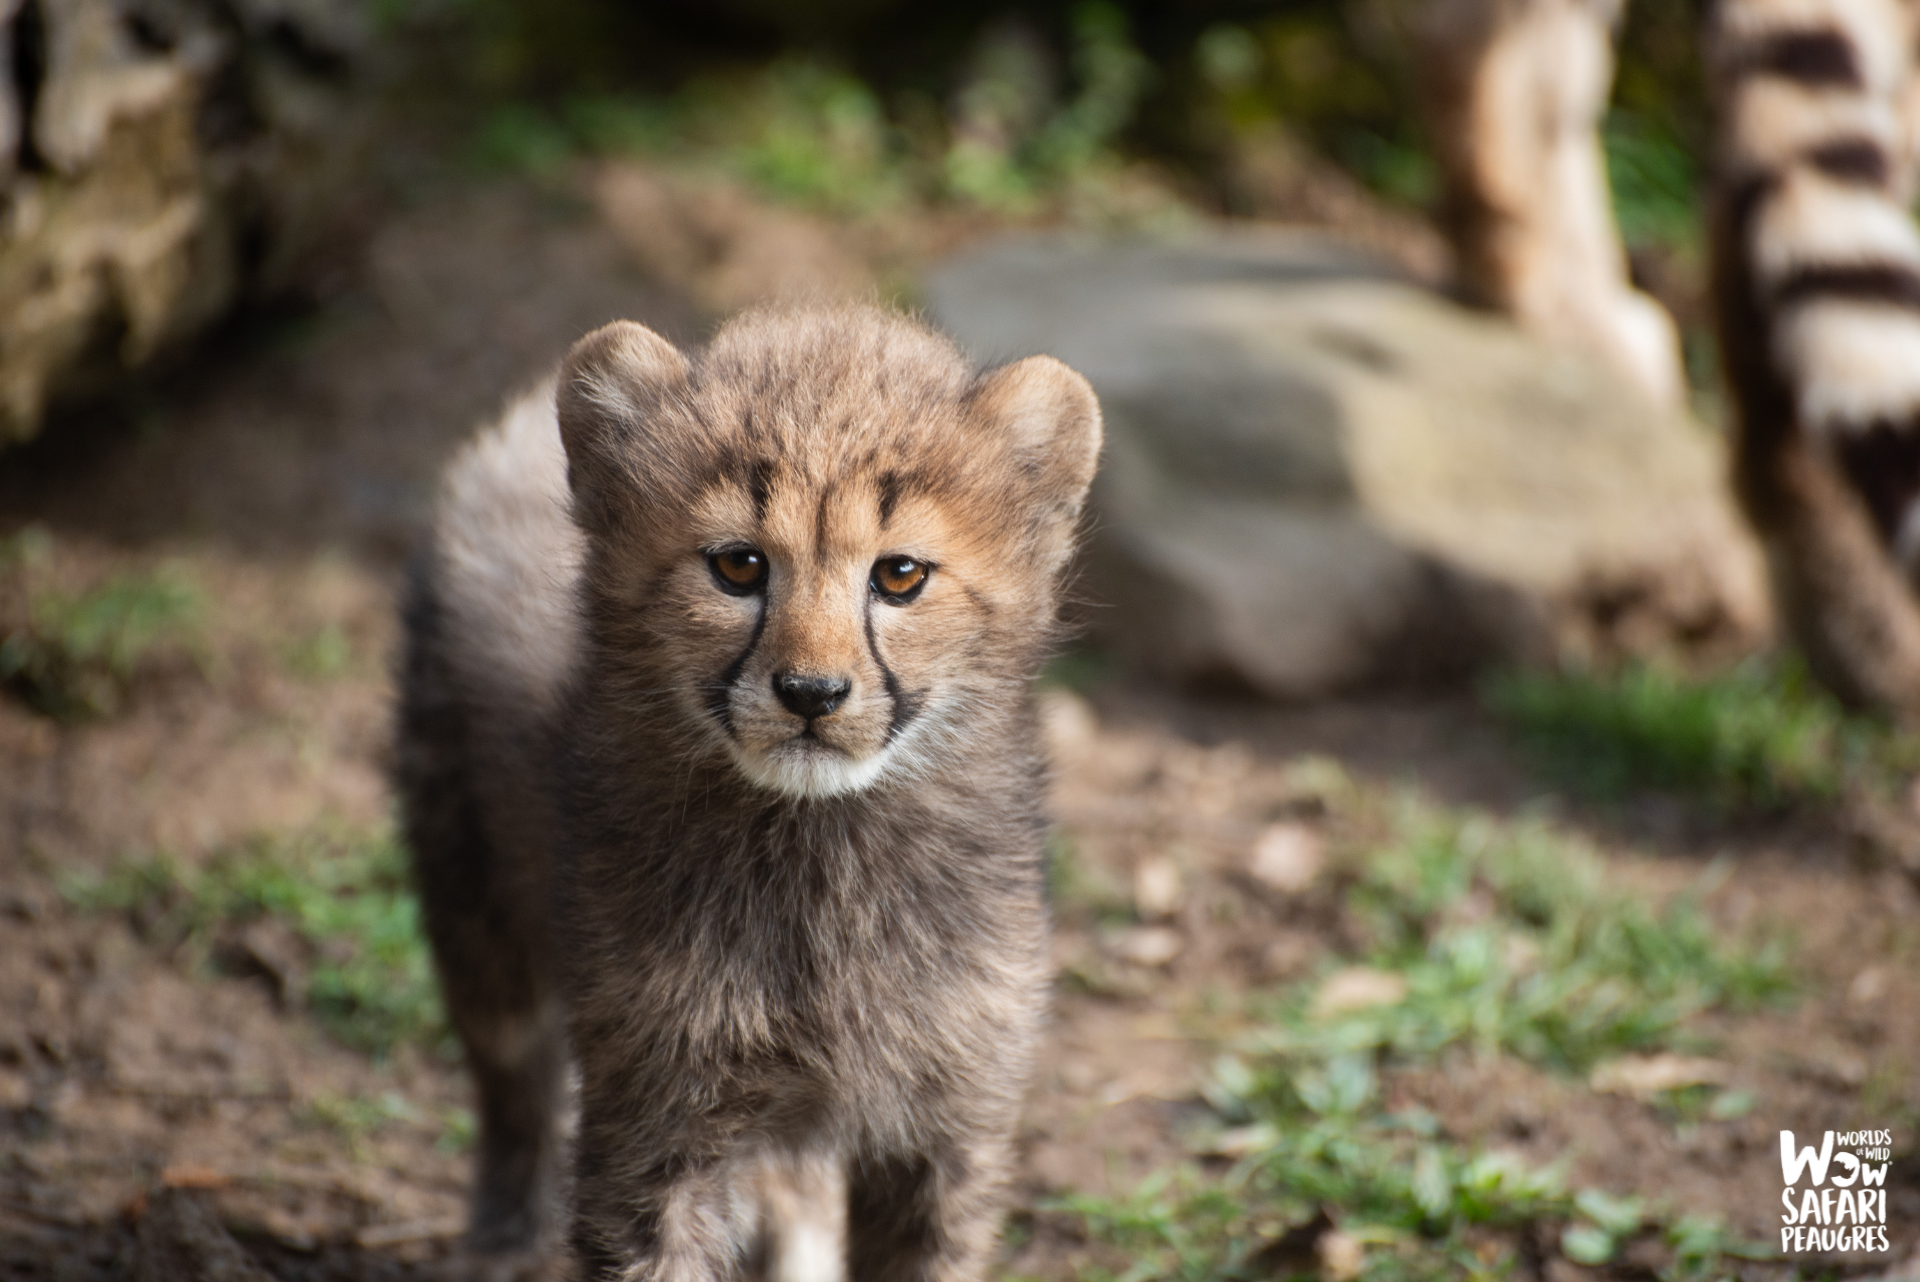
[(1515, 91), (1816, 282), (157, 159)]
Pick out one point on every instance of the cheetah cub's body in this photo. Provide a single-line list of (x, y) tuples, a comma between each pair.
[(732, 773)]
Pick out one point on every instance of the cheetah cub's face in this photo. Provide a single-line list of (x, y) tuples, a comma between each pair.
[(823, 546)]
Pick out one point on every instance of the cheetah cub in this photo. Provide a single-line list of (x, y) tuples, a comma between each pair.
[(720, 769)]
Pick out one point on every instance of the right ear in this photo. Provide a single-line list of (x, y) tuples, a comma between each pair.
[(611, 388)]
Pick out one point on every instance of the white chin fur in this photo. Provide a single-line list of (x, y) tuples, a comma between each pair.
[(799, 769)]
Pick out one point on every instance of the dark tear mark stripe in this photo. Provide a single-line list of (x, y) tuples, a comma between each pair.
[(720, 694), (1812, 56), (760, 486), (906, 704), (1861, 162), (889, 496), (1883, 463), (1886, 283)]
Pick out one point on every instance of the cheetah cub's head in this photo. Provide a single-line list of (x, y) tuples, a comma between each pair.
[(824, 547)]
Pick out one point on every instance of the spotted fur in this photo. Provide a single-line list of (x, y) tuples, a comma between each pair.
[(801, 958)]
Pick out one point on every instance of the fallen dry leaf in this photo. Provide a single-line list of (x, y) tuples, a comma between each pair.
[(1156, 888), (1149, 945), (189, 1175), (1357, 988), (1287, 857), (1644, 1076), (1068, 721), (1341, 1256)]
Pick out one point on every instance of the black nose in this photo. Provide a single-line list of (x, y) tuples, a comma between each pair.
[(811, 697)]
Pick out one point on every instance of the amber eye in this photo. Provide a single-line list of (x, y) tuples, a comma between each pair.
[(899, 578), (739, 570)]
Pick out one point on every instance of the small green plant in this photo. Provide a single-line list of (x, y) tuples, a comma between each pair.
[(1395, 167), (345, 894), (1509, 939), (1076, 888), (1655, 182), (1760, 734), (822, 139), (1010, 146), (71, 655), (797, 129), (803, 130), (321, 656), (1309, 1139), (1502, 939), (521, 137), (459, 1130), (356, 1118)]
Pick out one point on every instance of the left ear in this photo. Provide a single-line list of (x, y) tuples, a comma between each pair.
[(1053, 419)]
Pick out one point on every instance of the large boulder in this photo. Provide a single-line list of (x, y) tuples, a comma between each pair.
[(1320, 476), (158, 158)]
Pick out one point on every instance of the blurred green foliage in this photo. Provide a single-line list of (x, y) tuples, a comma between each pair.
[(850, 104), (1656, 184), (804, 129), (1761, 734), (322, 655), (357, 1118), (1502, 940), (345, 894)]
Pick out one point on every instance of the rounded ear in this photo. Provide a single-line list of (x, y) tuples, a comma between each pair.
[(1053, 418), (611, 388)]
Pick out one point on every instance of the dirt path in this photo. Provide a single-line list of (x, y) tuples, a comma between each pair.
[(284, 477)]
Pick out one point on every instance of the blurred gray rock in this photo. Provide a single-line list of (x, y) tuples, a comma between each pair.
[(158, 158), (1319, 476)]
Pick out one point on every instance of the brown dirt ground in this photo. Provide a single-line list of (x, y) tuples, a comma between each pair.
[(287, 473)]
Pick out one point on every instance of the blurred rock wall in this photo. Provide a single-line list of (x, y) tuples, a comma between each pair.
[(159, 159)]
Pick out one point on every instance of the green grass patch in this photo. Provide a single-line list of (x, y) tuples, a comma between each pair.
[(357, 1118), (321, 656), (72, 654), (1510, 938), (1311, 1146), (1655, 181), (1761, 734), (1490, 938), (803, 130), (797, 130), (459, 1130), (1076, 888), (345, 895)]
